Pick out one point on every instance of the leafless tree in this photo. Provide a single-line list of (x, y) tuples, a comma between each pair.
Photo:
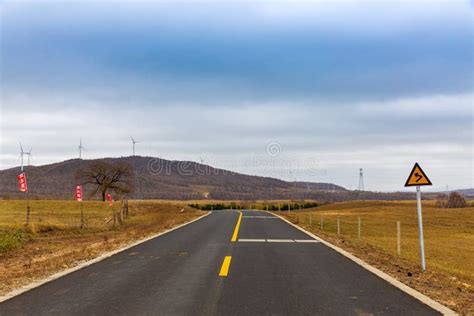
[(455, 200), (105, 176)]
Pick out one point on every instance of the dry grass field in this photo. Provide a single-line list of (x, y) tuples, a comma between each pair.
[(54, 240), (449, 243)]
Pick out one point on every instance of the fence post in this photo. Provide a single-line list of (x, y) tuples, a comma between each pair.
[(322, 222), (358, 227), (399, 237), (338, 227)]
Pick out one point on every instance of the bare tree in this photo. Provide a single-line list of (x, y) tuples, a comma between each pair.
[(455, 200), (106, 176)]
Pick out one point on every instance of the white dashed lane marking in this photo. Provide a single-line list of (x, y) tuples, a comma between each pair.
[(281, 240), (251, 240)]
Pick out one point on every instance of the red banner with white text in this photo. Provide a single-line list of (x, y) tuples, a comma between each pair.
[(79, 193), (109, 198), (22, 182)]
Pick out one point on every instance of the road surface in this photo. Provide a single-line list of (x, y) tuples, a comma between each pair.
[(271, 269)]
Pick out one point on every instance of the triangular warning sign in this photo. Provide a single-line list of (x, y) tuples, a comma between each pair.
[(417, 177)]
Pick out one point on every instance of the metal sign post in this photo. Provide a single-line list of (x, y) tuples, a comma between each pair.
[(418, 178), (420, 228)]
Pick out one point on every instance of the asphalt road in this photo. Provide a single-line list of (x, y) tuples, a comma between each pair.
[(273, 269)]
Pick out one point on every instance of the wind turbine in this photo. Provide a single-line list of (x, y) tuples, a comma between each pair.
[(80, 148), (133, 142), (22, 153), (29, 155)]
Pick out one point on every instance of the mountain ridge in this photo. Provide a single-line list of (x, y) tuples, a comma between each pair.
[(157, 178)]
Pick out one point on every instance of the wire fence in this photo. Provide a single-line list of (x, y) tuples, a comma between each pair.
[(56, 215), (449, 237)]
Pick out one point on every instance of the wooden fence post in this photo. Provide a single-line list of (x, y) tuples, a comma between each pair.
[(338, 227), (399, 237), (358, 227)]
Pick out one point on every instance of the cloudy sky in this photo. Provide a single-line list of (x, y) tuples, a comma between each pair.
[(295, 90)]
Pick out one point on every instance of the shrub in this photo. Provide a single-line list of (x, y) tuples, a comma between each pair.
[(10, 239), (455, 200)]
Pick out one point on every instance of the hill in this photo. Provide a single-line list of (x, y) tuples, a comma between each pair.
[(467, 193), (157, 178)]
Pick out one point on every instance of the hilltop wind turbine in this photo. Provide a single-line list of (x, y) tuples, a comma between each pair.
[(22, 153), (361, 179), (133, 143), (29, 155), (80, 148)]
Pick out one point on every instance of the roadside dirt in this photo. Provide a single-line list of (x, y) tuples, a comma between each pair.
[(49, 253)]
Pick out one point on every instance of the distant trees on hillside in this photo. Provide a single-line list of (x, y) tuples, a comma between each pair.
[(253, 205), (105, 176)]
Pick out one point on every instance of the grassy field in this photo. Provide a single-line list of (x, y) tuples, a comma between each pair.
[(449, 242), (54, 240)]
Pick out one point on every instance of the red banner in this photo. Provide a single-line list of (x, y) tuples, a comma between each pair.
[(109, 198), (79, 193), (22, 182)]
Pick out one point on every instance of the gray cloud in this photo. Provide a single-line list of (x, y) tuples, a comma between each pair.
[(338, 138), (335, 88)]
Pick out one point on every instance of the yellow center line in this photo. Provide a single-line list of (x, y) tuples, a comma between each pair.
[(236, 229), (225, 266)]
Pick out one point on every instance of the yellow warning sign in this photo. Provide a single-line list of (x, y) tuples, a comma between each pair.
[(417, 177)]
